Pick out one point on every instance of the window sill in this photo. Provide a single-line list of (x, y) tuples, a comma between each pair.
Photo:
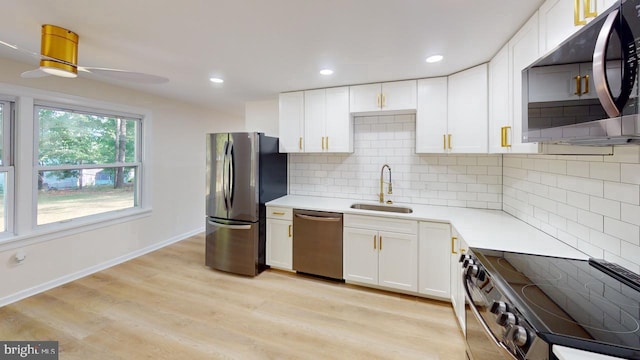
[(53, 231)]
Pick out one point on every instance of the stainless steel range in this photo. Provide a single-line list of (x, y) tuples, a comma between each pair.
[(521, 305)]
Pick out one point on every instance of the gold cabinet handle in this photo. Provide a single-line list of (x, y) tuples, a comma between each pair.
[(444, 141), (578, 85), (380, 242), (327, 143), (278, 213), (374, 241), (384, 101), (379, 101), (453, 244), (463, 250), (449, 141), (576, 14), (586, 84), (290, 226), (588, 12), (323, 143), (300, 143), (503, 141), (505, 136)]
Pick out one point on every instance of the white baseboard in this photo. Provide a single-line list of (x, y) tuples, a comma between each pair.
[(93, 269)]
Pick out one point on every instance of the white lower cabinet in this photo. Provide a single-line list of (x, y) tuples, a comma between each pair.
[(279, 249), (457, 289), (435, 249), (381, 252)]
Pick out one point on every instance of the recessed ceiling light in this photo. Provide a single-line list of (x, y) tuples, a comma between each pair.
[(434, 58), (216, 80), (326, 71)]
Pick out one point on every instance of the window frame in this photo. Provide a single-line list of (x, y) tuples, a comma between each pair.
[(25, 232), (8, 121), (37, 168)]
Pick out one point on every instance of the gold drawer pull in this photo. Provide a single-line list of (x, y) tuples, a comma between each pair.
[(380, 242), (374, 242), (278, 213), (290, 230)]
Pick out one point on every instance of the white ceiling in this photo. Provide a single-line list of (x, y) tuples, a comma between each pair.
[(263, 47)]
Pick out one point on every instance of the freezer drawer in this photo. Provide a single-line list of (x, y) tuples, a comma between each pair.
[(232, 246)]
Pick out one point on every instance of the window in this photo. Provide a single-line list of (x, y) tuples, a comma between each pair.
[(88, 163), (6, 169)]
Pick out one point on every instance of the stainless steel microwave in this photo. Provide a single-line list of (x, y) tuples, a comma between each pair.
[(585, 91)]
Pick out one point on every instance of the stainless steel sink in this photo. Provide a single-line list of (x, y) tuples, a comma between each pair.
[(386, 208)]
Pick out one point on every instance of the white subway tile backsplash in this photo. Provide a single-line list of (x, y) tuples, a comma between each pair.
[(597, 200), (453, 180), (605, 207), (630, 213), (604, 171)]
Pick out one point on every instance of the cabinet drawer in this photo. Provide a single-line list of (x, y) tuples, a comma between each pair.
[(274, 212), (381, 223)]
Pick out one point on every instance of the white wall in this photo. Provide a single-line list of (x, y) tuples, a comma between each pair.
[(262, 116), (589, 202), (177, 172), (453, 180)]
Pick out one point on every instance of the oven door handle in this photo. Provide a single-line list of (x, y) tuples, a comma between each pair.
[(503, 349)]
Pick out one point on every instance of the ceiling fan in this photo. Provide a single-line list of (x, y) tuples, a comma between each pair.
[(59, 57)]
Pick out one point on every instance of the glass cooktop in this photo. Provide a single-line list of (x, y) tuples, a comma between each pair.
[(569, 302)]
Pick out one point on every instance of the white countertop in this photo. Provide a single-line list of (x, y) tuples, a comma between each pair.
[(492, 229)]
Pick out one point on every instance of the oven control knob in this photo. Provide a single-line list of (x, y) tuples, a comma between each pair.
[(464, 257), (519, 335), (482, 275), (506, 319), (468, 262), (472, 270), (498, 307)]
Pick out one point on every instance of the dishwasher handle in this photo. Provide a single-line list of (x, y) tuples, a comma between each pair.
[(318, 218)]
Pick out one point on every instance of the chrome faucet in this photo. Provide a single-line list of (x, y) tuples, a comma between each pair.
[(389, 191)]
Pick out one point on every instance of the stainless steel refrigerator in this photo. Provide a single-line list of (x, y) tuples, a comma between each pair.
[(244, 171)]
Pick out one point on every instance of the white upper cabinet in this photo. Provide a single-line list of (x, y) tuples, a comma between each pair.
[(431, 116), (500, 118), (328, 124), (559, 19), (291, 122), (467, 98), (316, 121), (523, 50), (390, 96)]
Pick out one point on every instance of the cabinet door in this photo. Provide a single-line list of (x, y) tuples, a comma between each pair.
[(290, 122), (431, 117), (499, 105), (457, 289), (360, 255), (279, 243), (602, 5), (557, 23), (467, 108), (523, 50), (399, 95), (314, 124), (364, 98), (398, 261), (339, 125), (435, 250)]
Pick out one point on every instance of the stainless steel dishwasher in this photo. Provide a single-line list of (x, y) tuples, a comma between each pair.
[(317, 243)]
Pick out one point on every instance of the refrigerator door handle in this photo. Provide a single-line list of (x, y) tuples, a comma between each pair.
[(224, 176), (231, 175), (232, 227)]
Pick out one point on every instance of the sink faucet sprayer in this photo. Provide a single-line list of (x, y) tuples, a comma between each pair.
[(389, 191)]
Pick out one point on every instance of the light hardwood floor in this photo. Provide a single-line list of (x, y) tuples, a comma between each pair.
[(168, 305)]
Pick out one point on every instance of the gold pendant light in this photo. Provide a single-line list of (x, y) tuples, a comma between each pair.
[(61, 44)]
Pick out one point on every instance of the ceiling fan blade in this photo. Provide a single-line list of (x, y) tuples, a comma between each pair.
[(124, 75), (32, 74)]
